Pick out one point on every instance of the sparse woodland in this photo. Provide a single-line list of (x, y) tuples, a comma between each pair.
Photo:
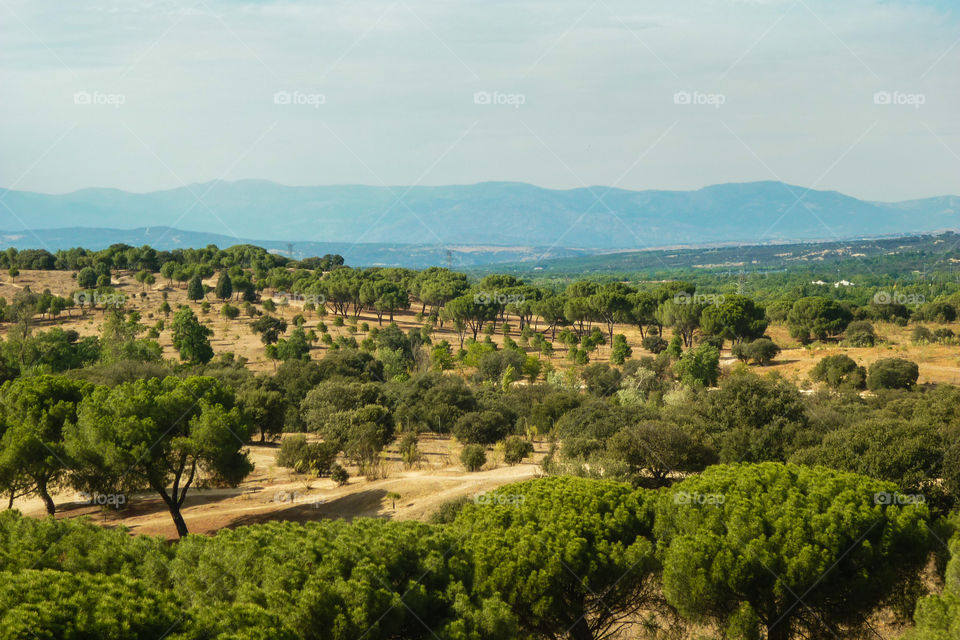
[(780, 464)]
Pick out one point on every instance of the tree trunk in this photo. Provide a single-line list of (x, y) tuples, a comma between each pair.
[(45, 496), (178, 521), (581, 630), (779, 630)]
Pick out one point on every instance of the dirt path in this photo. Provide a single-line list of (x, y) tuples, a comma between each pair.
[(273, 493)]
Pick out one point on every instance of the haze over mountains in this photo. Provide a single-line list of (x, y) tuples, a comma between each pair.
[(474, 221)]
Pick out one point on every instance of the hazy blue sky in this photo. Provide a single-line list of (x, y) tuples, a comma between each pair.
[(145, 95)]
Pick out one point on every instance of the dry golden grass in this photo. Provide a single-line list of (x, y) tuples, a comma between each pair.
[(938, 363)]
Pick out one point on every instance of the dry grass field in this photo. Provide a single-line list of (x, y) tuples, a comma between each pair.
[(276, 493), (938, 363)]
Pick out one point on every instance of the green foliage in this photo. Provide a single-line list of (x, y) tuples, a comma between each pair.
[(568, 556), (744, 543), (761, 351), (937, 616), (909, 454), (264, 410), (473, 457), (191, 338), (654, 344), (839, 371), (291, 450), (334, 580), (33, 414), (516, 449), (756, 418), (224, 288), (158, 433), (84, 606), (655, 449), (339, 475), (195, 288), (892, 373), (817, 318), (736, 318), (87, 278), (409, 451), (621, 351), (270, 328), (860, 334), (699, 366), (481, 427), (601, 379), (296, 347)]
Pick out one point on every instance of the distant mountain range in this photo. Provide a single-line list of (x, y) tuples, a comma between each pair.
[(365, 254), (480, 223)]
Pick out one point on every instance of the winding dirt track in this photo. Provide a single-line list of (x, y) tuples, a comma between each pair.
[(274, 493)]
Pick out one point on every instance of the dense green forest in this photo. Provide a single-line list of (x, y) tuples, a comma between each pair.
[(678, 499)]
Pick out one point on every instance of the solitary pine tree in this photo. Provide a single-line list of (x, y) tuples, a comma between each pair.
[(191, 337), (195, 288), (224, 286)]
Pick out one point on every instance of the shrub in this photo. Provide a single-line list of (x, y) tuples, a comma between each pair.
[(699, 366), (839, 371), (290, 451), (654, 344), (921, 334), (339, 475), (516, 449), (892, 373), (481, 427), (448, 511), (409, 452), (943, 335), (761, 351), (473, 457), (317, 457), (860, 334), (621, 350)]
